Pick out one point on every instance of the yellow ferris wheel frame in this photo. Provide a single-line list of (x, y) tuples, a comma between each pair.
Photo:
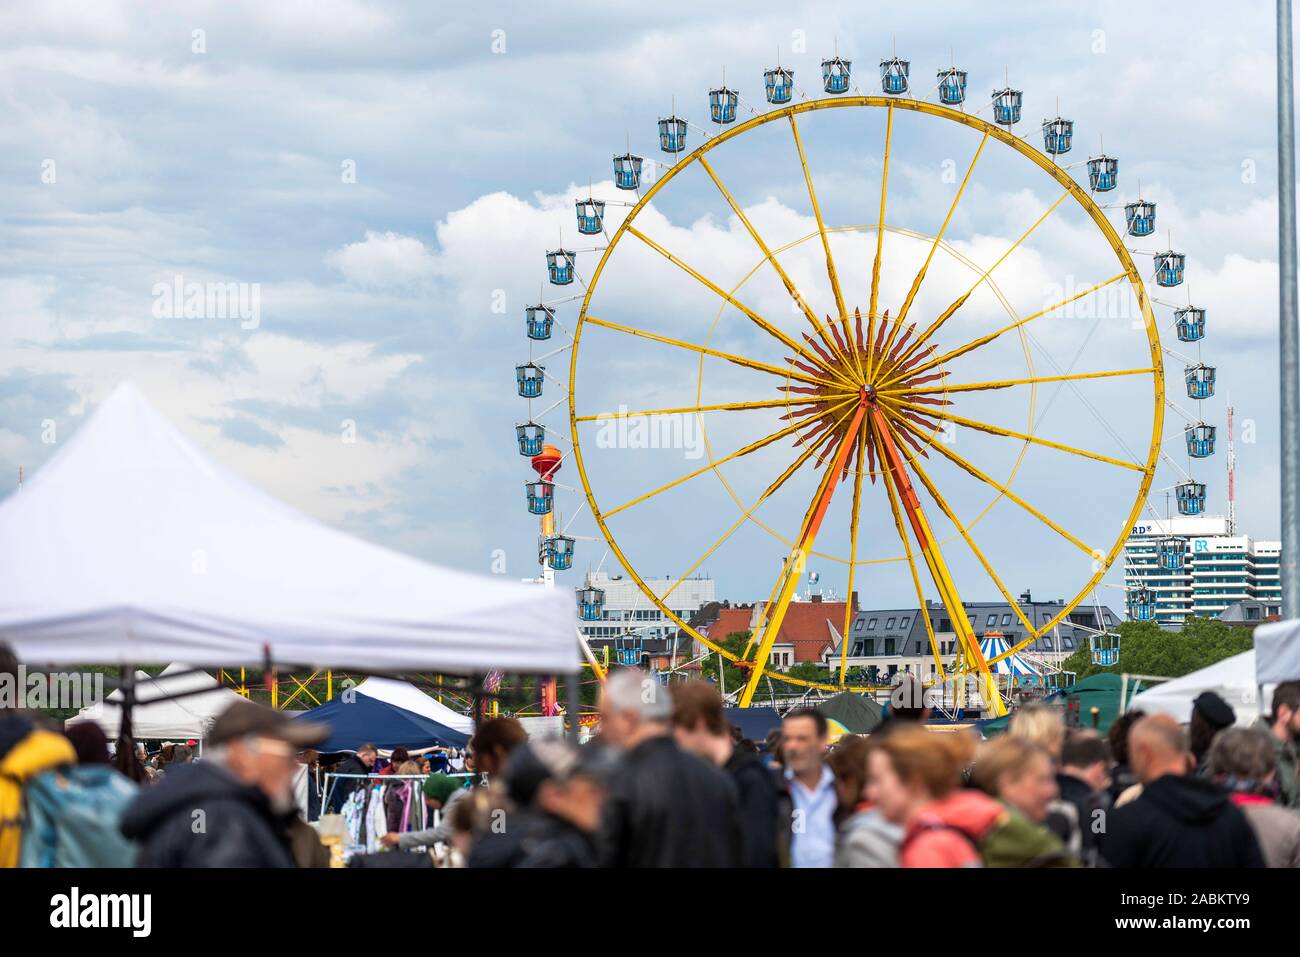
[(772, 617)]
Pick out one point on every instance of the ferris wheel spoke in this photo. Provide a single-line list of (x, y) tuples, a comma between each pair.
[(688, 409), (934, 560), (1011, 434), (939, 500), (906, 368), (770, 624), (934, 246), (1008, 383), (790, 287), (753, 317), (947, 313), (911, 561), (841, 311), (716, 353), (752, 447), (798, 463), (975, 472), (862, 440), (880, 244)]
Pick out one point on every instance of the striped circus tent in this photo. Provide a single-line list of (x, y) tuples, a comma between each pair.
[(993, 644)]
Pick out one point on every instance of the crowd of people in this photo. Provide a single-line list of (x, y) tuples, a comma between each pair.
[(668, 782)]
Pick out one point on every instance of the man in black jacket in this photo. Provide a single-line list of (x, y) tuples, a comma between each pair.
[(665, 807), (1179, 821), (363, 762), (234, 808), (700, 727)]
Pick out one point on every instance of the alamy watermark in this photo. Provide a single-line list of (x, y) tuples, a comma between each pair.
[(39, 690), (179, 299), (673, 431)]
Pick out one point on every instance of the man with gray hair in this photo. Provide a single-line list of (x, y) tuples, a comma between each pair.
[(665, 807)]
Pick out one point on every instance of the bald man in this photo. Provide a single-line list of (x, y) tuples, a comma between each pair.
[(1179, 821)]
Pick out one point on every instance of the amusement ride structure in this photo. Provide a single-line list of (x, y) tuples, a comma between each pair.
[(908, 435)]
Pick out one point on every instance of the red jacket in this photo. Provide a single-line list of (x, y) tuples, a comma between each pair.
[(942, 832)]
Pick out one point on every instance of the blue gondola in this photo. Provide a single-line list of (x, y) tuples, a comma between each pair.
[(541, 496), (591, 215), (559, 552), (531, 437), (672, 134), (539, 320), (1103, 173), (1141, 603), (559, 266), (1169, 268), (591, 602), (1058, 135), (629, 650), (893, 75), (778, 84), (1200, 440), (1006, 106), (1190, 322), (1105, 647), (952, 86), (1200, 381), (722, 105), (1140, 218), (529, 376), (835, 75), (1171, 552), (627, 171), (1191, 497)]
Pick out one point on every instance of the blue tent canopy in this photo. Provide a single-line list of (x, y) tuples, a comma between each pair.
[(754, 723), (357, 718)]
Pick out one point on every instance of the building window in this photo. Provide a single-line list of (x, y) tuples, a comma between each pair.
[(1006, 620), (905, 622), (871, 646), (993, 620), (918, 648), (871, 624), (890, 623), (889, 646), (862, 621)]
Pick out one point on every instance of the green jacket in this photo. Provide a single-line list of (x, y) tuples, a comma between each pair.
[(1287, 761)]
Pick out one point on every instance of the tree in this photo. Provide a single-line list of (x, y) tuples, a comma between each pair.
[(734, 678), (1148, 649)]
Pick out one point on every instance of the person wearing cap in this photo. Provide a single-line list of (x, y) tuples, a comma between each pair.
[(1210, 715), (236, 807), (555, 792)]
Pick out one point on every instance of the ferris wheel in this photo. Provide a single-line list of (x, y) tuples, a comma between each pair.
[(867, 392)]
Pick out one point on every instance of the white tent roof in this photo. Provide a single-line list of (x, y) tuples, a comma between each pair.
[(1232, 678), (131, 545), (169, 718), (1277, 652), (408, 696)]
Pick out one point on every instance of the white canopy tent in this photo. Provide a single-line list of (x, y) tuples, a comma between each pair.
[(408, 696), (159, 713), (131, 545), (1233, 679), (1277, 652)]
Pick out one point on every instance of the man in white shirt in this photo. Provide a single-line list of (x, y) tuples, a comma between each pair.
[(804, 738)]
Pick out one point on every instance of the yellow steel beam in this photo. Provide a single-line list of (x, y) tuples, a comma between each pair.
[(688, 409), (752, 447), (716, 353), (880, 243), (853, 545), (1008, 383), (753, 317)]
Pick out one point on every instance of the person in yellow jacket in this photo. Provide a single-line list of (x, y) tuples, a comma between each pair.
[(25, 751)]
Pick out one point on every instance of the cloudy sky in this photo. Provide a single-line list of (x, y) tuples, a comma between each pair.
[(387, 176)]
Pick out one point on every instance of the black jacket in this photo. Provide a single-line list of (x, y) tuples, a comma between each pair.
[(760, 800), (1180, 822), (343, 787), (533, 839), (200, 816), (668, 808)]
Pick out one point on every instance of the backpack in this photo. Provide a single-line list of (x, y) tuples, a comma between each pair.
[(1014, 841), (71, 818)]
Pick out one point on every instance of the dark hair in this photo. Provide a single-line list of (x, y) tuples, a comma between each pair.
[(1200, 733), (398, 756), (1117, 736), (1083, 749), (695, 702), (498, 736), (90, 743), (818, 718), (1287, 693)]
